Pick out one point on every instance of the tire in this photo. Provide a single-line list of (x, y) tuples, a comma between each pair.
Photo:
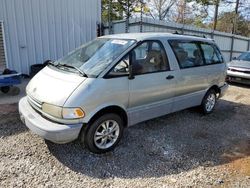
[(5, 89), (209, 102), (95, 135)]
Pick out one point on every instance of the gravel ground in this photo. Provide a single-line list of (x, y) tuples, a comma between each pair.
[(181, 149)]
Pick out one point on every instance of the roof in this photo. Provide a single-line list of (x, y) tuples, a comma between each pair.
[(155, 35)]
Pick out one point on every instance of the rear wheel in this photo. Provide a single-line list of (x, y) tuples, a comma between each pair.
[(5, 89), (103, 134), (209, 102)]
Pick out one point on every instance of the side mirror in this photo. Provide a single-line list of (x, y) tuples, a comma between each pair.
[(131, 75)]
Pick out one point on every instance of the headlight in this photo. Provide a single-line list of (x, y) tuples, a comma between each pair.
[(52, 110), (65, 113)]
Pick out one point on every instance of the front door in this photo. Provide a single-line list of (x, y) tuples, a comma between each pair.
[(151, 91)]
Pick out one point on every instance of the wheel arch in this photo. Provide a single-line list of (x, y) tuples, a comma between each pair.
[(111, 109), (216, 88)]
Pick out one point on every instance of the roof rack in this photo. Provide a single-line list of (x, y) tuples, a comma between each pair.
[(177, 33)]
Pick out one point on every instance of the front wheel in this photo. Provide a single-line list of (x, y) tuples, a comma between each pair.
[(103, 134), (209, 101)]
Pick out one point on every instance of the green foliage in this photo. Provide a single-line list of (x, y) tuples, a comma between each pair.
[(118, 9), (116, 12)]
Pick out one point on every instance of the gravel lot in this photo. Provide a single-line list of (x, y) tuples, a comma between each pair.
[(180, 149)]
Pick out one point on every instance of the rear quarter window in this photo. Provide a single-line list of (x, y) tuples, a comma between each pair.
[(211, 53)]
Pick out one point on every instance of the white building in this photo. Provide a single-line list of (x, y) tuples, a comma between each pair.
[(32, 31)]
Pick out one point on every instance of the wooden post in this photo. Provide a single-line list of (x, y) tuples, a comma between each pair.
[(127, 18), (234, 29), (216, 14), (232, 48)]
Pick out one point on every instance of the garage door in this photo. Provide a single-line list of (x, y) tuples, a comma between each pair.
[(2, 54)]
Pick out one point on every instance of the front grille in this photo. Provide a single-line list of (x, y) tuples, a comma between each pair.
[(239, 70), (37, 105)]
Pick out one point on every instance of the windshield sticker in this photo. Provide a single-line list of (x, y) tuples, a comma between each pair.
[(121, 42)]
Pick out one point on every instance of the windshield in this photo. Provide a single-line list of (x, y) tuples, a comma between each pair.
[(244, 56), (95, 56)]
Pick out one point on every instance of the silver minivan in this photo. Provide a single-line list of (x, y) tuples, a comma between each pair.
[(117, 81)]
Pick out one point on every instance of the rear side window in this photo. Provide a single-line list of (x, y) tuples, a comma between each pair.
[(211, 54), (188, 54)]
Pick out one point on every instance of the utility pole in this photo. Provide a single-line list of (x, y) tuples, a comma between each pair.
[(109, 15), (234, 30), (183, 15), (217, 3), (127, 18), (142, 4)]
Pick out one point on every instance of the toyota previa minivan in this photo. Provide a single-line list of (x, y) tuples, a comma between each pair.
[(116, 81)]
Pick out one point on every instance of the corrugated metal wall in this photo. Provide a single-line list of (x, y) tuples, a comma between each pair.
[(223, 40), (37, 30), (2, 52)]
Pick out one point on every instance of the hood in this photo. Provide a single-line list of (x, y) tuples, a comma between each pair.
[(53, 86), (240, 64)]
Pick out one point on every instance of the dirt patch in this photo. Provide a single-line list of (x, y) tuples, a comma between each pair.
[(238, 158)]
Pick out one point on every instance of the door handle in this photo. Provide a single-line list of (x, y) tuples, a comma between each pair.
[(169, 77)]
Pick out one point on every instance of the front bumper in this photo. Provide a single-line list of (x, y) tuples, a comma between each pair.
[(238, 77), (55, 132)]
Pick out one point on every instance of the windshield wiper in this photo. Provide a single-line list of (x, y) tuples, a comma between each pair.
[(72, 67), (51, 63)]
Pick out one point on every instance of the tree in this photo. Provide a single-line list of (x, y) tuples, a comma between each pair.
[(112, 9), (241, 10), (217, 3), (206, 3), (117, 9), (236, 16), (181, 11), (159, 9), (226, 22), (128, 6)]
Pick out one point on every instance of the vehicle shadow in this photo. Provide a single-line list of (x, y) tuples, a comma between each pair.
[(167, 145), (10, 123), (239, 85)]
